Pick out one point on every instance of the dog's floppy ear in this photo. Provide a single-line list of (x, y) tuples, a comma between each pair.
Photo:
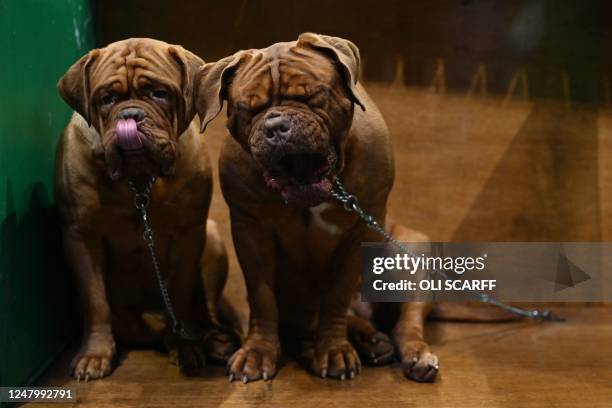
[(212, 86), (190, 65), (74, 85), (343, 52)]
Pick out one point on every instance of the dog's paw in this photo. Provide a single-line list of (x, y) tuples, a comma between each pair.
[(374, 349), (189, 355), (418, 363), (91, 366), (220, 343), (253, 362), (339, 361), (95, 360)]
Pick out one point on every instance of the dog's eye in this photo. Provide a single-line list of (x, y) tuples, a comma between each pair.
[(249, 109), (108, 99), (161, 94)]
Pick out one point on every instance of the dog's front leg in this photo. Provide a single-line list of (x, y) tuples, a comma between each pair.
[(256, 250), (85, 254), (334, 354), (189, 301), (182, 274)]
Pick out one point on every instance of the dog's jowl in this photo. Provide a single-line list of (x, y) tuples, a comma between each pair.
[(134, 120), (299, 118)]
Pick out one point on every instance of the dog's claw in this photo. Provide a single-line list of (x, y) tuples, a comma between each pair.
[(265, 376), (87, 377), (342, 377), (352, 374), (324, 373), (245, 379), (231, 377)]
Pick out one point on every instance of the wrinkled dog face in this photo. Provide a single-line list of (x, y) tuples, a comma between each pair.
[(290, 107), (137, 95)]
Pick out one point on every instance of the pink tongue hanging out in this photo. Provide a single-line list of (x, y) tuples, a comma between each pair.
[(127, 135)]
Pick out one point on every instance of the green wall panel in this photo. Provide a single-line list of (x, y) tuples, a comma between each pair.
[(38, 42)]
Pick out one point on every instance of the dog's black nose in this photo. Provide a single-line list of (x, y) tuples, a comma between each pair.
[(278, 127), (134, 113)]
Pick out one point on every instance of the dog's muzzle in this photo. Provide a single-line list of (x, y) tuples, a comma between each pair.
[(296, 155)]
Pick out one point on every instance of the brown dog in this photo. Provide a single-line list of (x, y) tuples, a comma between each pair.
[(135, 107), (292, 115)]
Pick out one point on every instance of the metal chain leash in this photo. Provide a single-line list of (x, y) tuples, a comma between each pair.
[(142, 199), (351, 203)]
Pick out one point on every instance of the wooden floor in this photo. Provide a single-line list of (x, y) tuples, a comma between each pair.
[(520, 364)]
